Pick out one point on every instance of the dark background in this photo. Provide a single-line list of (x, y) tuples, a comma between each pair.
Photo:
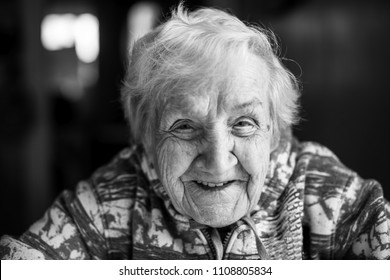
[(55, 130)]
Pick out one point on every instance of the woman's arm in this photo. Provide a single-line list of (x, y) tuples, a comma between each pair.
[(72, 228)]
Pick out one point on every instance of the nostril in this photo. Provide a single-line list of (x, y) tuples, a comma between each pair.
[(221, 161), (216, 157)]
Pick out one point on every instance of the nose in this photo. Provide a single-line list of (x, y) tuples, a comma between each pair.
[(217, 156)]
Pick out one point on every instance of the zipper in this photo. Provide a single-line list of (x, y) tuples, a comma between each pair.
[(218, 247), (212, 243), (227, 238)]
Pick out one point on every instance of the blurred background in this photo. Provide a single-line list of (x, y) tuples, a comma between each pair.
[(62, 61)]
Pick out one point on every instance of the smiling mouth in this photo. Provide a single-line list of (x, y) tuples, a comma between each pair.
[(213, 186)]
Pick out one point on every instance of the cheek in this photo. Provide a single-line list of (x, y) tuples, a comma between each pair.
[(254, 156), (173, 159)]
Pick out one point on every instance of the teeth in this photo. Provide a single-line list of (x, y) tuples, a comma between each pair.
[(212, 185)]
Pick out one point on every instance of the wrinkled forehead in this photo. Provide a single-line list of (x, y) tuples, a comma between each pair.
[(236, 81)]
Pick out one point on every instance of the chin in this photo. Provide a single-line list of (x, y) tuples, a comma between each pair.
[(218, 219), (221, 224)]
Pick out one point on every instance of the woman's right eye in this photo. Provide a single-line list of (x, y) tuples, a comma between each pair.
[(183, 130)]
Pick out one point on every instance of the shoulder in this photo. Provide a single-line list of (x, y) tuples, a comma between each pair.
[(326, 177), (120, 177), (340, 206), (94, 221), (114, 188), (326, 181), (323, 169)]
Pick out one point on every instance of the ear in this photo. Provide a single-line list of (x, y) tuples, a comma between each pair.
[(275, 141), (150, 155), (275, 136), (150, 151)]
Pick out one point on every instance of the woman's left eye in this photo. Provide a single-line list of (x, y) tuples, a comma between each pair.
[(243, 124), (244, 127), (184, 126)]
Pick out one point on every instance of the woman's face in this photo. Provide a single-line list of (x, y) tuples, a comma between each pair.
[(212, 148)]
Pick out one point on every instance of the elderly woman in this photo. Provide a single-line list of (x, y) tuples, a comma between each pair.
[(213, 171)]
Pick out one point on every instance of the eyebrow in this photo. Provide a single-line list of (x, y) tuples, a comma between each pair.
[(252, 103)]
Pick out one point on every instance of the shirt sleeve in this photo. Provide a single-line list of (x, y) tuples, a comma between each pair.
[(72, 228), (363, 230)]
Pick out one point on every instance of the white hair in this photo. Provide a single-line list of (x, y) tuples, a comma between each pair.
[(191, 52)]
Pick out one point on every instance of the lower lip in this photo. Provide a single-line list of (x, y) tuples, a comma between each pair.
[(214, 188)]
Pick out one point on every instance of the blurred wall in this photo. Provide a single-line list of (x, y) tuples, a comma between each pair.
[(50, 140)]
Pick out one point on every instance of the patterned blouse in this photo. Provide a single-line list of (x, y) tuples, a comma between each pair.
[(312, 207)]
